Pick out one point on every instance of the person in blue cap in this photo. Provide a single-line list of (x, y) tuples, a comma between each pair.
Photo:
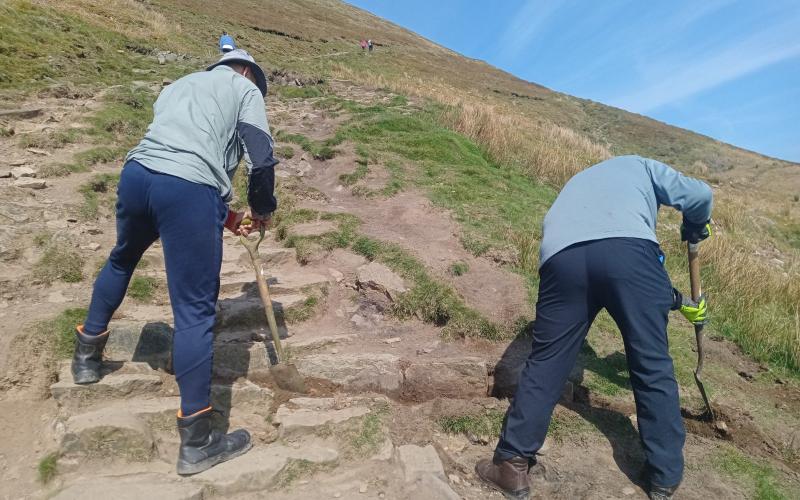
[(226, 43), (176, 185)]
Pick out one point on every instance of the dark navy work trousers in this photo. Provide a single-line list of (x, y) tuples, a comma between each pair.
[(189, 218), (624, 276)]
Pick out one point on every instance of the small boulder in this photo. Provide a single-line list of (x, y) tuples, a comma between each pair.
[(19, 172), (30, 183), (378, 277), (419, 461)]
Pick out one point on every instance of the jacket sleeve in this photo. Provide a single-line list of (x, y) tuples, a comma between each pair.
[(254, 132), (690, 196)]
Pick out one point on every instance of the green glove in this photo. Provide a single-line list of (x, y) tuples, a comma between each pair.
[(695, 312)]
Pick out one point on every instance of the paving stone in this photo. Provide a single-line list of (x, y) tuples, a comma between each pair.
[(280, 282), (19, 172), (236, 260), (113, 432), (454, 378), (147, 342), (418, 461), (294, 419), (241, 359), (316, 228), (240, 392), (378, 277), (318, 342), (129, 379), (30, 183), (368, 371), (431, 487), (258, 469), (132, 487), (248, 311)]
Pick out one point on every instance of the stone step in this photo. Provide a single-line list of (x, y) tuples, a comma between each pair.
[(280, 281), (248, 311), (457, 377), (376, 372), (235, 258), (141, 341), (130, 487), (119, 380), (261, 467), (239, 393), (423, 471), (303, 416), (121, 430)]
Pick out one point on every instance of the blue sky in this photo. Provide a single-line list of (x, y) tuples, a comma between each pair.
[(728, 69)]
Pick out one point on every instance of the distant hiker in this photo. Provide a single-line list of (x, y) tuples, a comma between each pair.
[(369, 44), (599, 251), (175, 185), (363, 44), (226, 43)]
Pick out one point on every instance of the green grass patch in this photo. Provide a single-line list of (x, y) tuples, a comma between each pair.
[(303, 312), (50, 140), (98, 191), (294, 92), (285, 152), (489, 200), (47, 469), (760, 478), (320, 150), (370, 435), (59, 262), (488, 424), (458, 268), (356, 175), (59, 332), (429, 300), (142, 288)]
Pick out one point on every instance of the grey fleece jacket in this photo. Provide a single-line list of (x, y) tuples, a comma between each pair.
[(202, 126), (619, 198)]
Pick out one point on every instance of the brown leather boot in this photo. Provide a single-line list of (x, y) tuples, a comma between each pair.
[(508, 476)]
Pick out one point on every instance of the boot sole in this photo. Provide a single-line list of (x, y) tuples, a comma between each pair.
[(185, 469), (519, 495)]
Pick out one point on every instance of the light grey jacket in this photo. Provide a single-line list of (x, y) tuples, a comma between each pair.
[(203, 124), (620, 198)]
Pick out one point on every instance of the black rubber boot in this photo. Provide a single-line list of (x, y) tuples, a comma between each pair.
[(203, 448), (88, 356)]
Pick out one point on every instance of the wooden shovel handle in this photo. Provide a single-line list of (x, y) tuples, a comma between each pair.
[(694, 270)]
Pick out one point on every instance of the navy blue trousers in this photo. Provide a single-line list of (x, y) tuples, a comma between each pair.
[(624, 276), (189, 219)]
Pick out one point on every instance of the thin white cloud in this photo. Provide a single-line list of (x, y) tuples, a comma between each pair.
[(697, 73), (526, 24)]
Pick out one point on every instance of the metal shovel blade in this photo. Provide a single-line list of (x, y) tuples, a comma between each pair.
[(698, 332), (288, 378)]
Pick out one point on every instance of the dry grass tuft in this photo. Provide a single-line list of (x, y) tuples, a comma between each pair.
[(133, 18)]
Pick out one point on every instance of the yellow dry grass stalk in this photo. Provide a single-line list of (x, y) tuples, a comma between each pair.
[(761, 300), (543, 150)]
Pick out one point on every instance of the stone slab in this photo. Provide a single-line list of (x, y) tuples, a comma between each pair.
[(132, 487), (369, 371), (258, 469), (128, 380), (418, 461), (449, 377)]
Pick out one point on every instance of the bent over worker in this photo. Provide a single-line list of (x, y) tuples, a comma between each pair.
[(175, 185), (599, 251)]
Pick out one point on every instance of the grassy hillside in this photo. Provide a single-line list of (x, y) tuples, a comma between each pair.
[(492, 148)]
